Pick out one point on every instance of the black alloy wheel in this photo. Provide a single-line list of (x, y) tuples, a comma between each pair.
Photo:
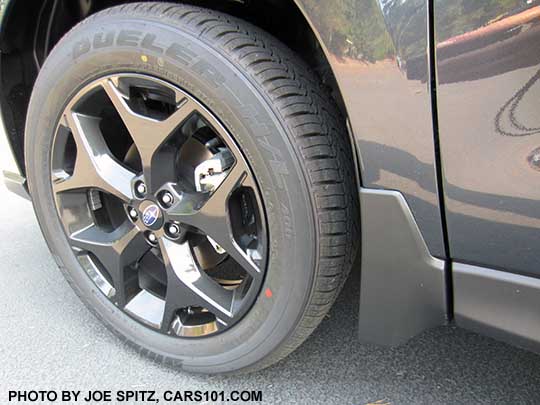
[(194, 181), (159, 205)]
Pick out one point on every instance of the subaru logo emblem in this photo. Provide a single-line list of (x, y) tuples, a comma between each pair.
[(150, 215)]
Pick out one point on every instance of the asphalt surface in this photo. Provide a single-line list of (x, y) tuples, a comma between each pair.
[(49, 340)]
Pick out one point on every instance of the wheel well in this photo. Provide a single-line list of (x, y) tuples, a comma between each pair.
[(31, 29)]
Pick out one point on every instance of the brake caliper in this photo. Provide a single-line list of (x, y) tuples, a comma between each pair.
[(210, 173)]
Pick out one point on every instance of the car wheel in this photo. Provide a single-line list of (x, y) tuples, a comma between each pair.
[(194, 182)]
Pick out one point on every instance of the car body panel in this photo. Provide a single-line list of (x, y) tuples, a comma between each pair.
[(498, 303), (379, 52), (488, 70)]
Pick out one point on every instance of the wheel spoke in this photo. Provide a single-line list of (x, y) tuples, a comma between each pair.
[(95, 167), (149, 134), (115, 251), (212, 217), (187, 285)]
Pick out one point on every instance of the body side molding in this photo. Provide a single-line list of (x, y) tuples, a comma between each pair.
[(498, 304), (402, 290)]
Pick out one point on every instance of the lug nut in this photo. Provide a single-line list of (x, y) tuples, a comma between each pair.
[(133, 213), (152, 238), (166, 199), (140, 187), (174, 229)]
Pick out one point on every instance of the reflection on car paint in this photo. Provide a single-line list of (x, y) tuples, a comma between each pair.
[(378, 51), (488, 60)]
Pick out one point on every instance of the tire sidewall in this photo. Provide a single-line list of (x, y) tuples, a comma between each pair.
[(243, 108)]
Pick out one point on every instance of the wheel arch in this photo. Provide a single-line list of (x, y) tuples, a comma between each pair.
[(28, 31)]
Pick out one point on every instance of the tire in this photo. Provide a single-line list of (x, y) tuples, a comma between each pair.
[(286, 126)]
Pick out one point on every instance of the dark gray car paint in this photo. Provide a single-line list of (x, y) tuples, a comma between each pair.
[(497, 303), (488, 69), (379, 52)]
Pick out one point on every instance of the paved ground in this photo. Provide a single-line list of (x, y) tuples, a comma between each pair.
[(49, 340)]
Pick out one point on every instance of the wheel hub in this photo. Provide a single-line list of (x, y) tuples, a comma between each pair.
[(151, 215)]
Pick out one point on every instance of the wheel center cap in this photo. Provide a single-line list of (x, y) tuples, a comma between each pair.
[(151, 215)]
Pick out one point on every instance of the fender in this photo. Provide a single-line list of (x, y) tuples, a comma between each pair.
[(385, 80)]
